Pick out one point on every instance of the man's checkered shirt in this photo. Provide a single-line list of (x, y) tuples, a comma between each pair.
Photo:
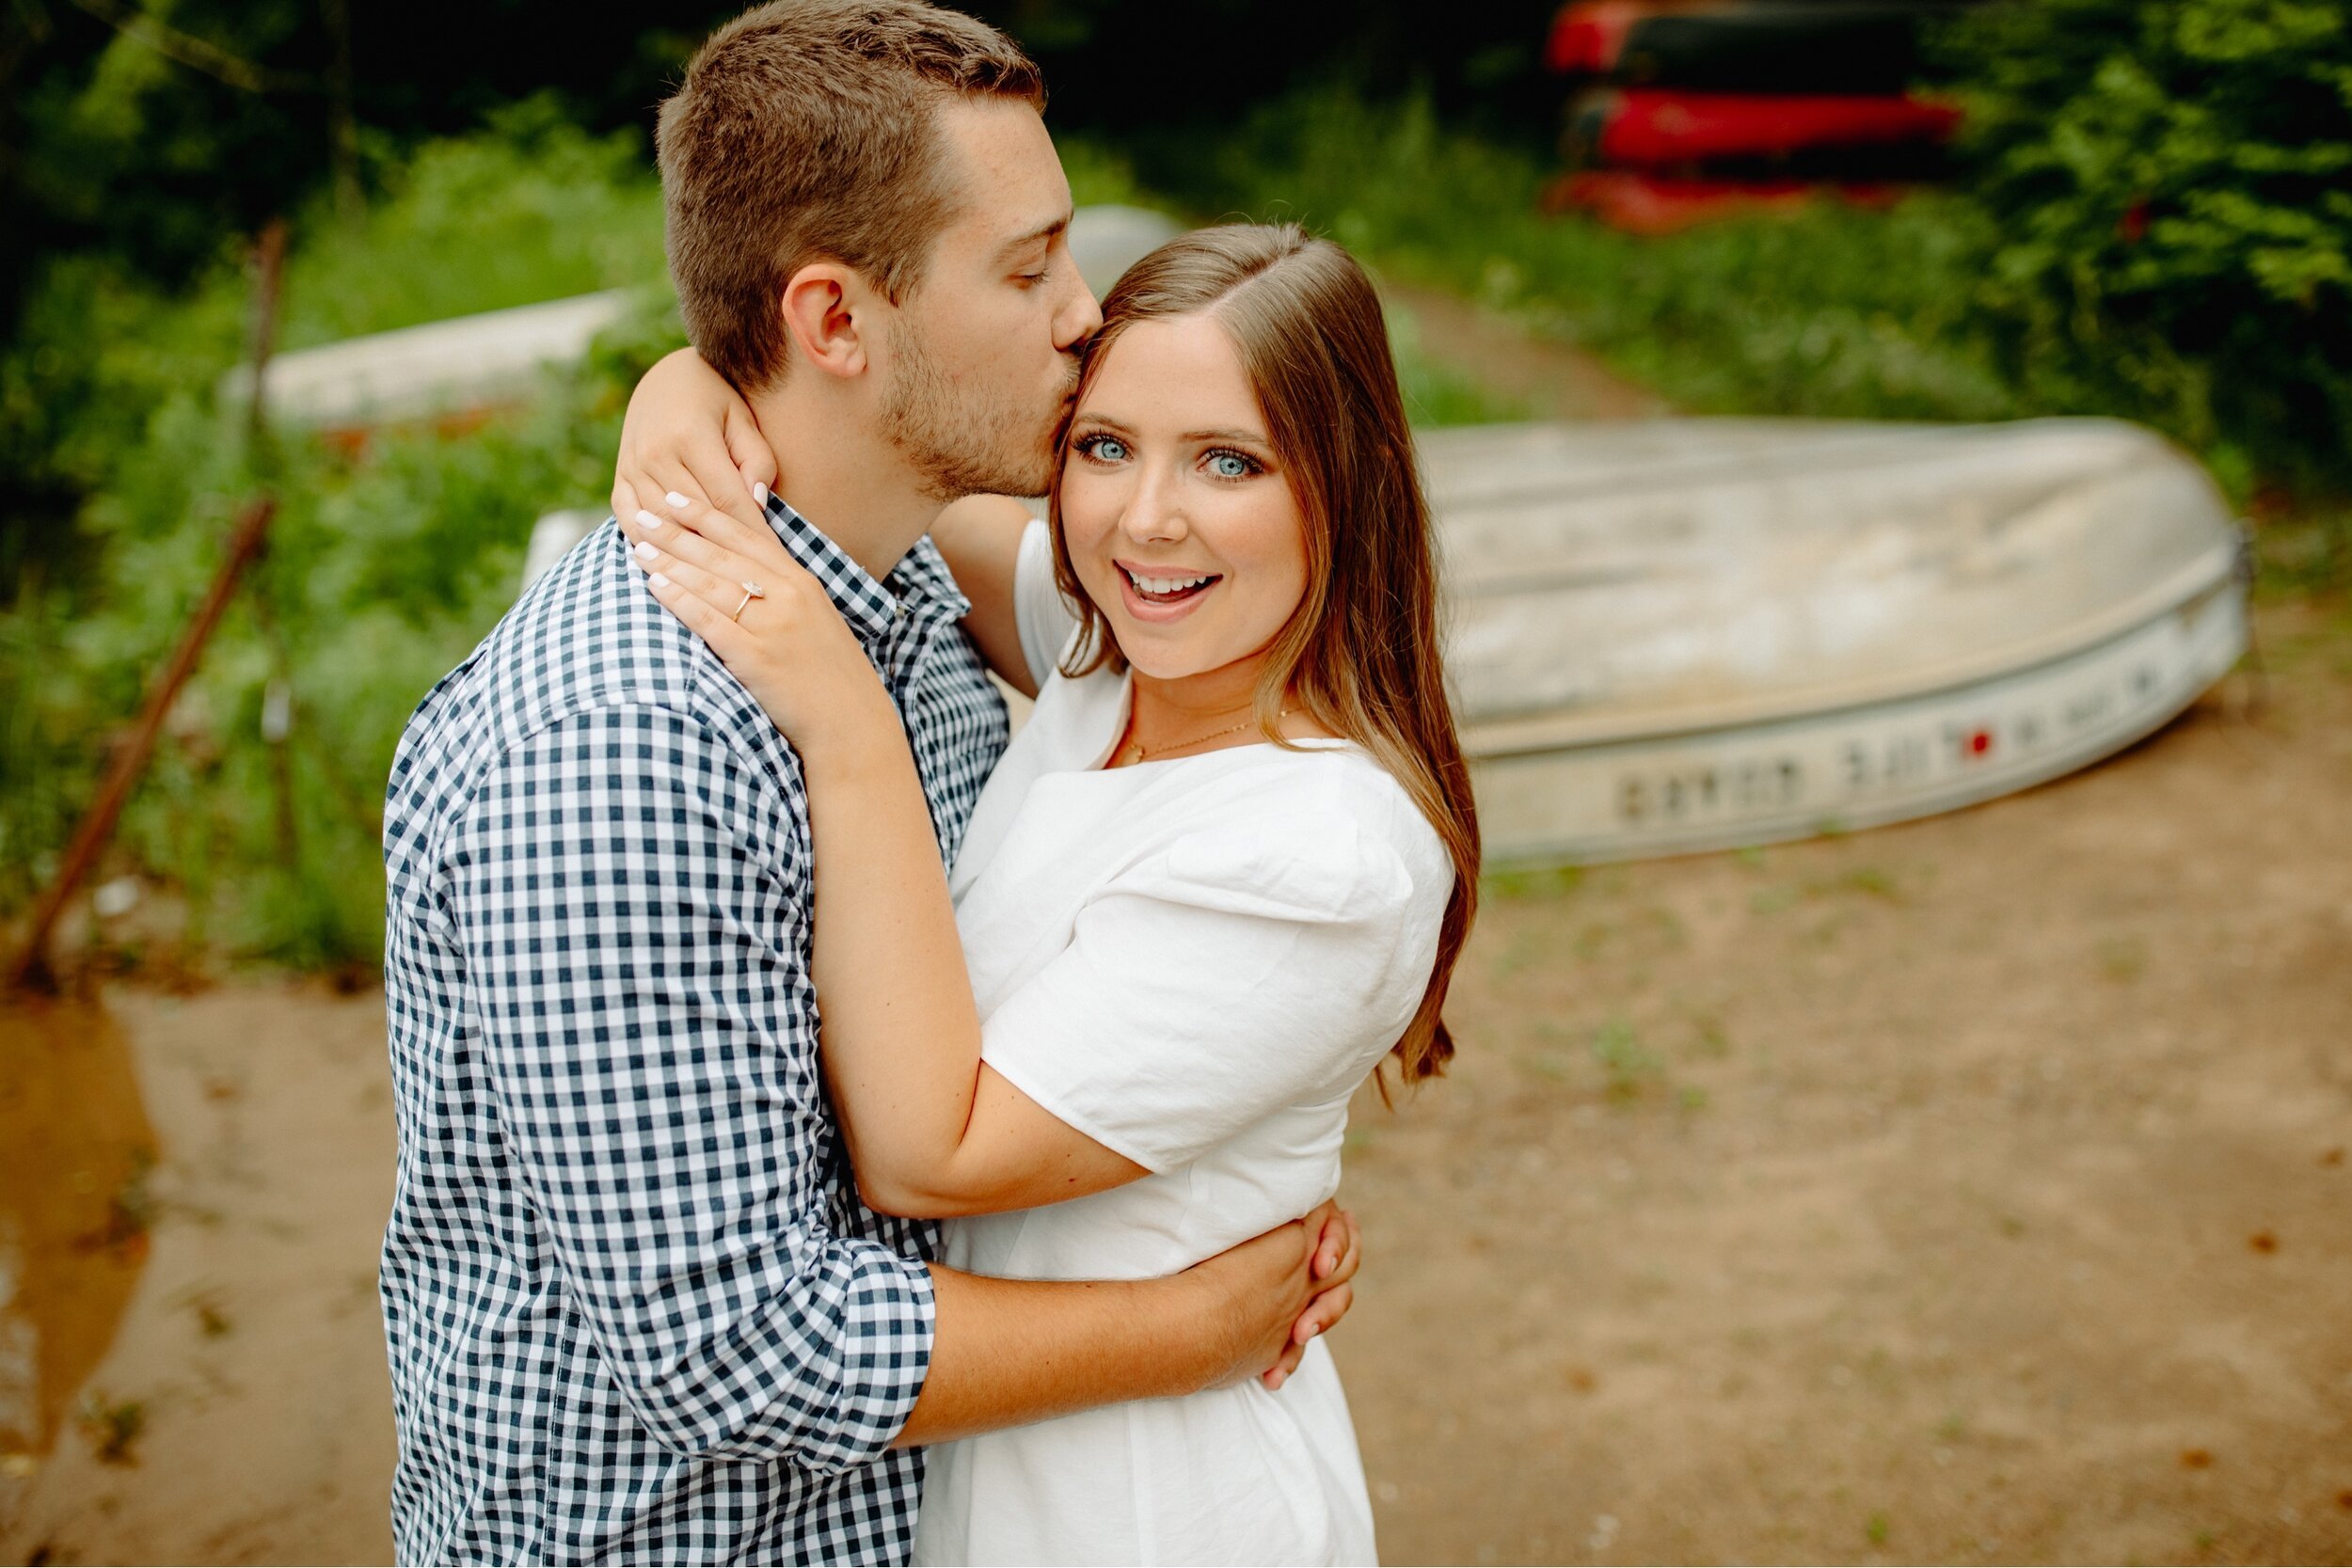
[(634, 1309)]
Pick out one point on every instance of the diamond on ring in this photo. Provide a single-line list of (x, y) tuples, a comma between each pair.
[(750, 590)]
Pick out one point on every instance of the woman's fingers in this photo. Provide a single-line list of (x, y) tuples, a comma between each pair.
[(673, 491), (724, 595), (759, 543), (685, 544), (716, 480), (755, 465), (1278, 1374), (704, 619), (1322, 1314), (1339, 1250)]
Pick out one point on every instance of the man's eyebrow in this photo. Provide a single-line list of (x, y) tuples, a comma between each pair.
[(1044, 231)]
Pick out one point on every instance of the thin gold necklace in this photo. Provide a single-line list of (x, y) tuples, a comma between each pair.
[(1143, 752)]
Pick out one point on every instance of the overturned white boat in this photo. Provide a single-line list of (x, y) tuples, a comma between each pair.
[(1697, 634)]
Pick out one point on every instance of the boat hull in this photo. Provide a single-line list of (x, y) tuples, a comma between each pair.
[(1644, 127), (1592, 801), (1691, 634)]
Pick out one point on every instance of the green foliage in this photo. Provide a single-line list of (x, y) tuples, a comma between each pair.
[(2226, 324), (533, 208), (1832, 312), (385, 564), (536, 209), (2170, 186)]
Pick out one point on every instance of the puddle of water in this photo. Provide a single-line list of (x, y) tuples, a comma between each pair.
[(75, 1153)]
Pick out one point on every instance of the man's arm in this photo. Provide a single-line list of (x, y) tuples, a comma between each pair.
[(1009, 1351), (644, 1030)]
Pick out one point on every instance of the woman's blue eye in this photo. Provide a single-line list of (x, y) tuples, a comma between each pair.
[(1104, 449), (1231, 465)]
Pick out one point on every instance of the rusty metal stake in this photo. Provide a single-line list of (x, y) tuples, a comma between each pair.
[(31, 965)]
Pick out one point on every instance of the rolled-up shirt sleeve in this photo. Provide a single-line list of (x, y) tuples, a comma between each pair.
[(647, 1031)]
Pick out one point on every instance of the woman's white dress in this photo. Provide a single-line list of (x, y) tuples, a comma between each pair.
[(1194, 962)]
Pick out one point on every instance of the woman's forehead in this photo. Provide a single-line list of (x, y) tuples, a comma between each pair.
[(1172, 372)]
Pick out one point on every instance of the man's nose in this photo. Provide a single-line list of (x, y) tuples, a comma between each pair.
[(1080, 317)]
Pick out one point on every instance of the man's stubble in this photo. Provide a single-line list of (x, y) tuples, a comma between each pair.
[(960, 441)]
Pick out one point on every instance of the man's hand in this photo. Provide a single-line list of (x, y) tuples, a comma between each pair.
[(1273, 1294), (1337, 1254)]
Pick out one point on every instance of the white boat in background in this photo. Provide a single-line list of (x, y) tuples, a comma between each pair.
[(1698, 634)]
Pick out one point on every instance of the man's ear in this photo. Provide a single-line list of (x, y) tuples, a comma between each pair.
[(829, 309)]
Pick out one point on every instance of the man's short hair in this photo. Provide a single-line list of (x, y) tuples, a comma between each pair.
[(809, 130)]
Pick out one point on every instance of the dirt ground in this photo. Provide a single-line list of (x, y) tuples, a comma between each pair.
[(1973, 1190)]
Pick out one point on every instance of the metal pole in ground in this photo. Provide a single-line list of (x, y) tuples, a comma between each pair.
[(245, 537)]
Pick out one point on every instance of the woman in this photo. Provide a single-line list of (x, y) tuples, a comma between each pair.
[(1222, 873)]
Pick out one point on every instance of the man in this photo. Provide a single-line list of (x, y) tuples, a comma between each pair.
[(634, 1307)]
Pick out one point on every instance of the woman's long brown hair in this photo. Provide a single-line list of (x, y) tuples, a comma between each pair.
[(1360, 652)]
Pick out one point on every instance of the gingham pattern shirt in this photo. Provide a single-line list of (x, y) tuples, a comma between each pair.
[(635, 1310)]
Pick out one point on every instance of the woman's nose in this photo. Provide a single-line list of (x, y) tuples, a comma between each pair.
[(1153, 512)]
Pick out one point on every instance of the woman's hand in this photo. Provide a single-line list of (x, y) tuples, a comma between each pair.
[(772, 624), (690, 442)]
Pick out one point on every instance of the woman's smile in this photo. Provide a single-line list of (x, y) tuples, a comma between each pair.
[(1163, 594)]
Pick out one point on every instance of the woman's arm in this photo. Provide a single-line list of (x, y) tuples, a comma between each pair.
[(929, 1129), (980, 538), (689, 434)]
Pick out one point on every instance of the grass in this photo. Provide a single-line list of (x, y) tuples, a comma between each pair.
[(385, 564), (113, 1427), (1628, 1068)]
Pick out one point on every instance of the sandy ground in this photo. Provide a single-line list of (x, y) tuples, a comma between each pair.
[(1974, 1190)]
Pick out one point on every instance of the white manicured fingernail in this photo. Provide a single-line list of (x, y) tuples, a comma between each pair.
[(645, 551), (677, 503), (759, 493), (647, 520), (658, 581)]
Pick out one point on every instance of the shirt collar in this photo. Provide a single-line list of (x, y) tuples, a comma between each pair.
[(920, 577)]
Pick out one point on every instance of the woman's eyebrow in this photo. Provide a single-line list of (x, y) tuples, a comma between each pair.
[(1250, 436), (1108, 423)]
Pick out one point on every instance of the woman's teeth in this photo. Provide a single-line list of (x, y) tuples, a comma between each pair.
[(1167, 588)]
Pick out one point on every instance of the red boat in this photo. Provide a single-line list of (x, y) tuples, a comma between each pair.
[(1646, 126), (1640, 201), (1771, 45)]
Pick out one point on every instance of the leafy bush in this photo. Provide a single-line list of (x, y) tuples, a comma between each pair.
[(2170, 188), (1831, 313), (384, 564)]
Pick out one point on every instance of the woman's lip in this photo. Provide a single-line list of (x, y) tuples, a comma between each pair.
[(1144, 610), (1163, 573)]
